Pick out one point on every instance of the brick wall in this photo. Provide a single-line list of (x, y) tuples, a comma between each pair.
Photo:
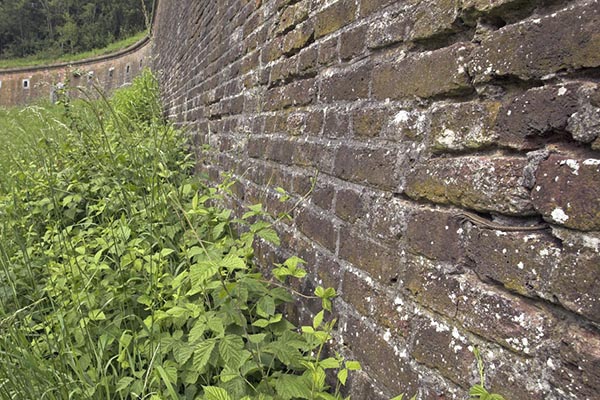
[(409, 114), (108, 72)]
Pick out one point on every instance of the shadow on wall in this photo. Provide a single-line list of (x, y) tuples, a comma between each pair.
[(22, 86)]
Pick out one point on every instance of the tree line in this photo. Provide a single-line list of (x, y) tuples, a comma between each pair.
[(55, 27)]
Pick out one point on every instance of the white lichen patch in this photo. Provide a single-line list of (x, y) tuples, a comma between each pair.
[(591, 161), (562, 91), (559, 215), (573, 164)]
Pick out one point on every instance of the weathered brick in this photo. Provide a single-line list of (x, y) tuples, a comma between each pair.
[(307, 60), (298, 38), (374, 166), (322, 196), (507, 320), (431, 286), (314, 154), (390, 28), (380, 359), (328, 53), (434, 234), (434, 19), (352, 43), (368, 301), (441, 346), (292, 16), (299, 93), (314, 123), (382, 263), (524, 262), (334, 17), (556, 195), (564, 40), (317, 227), (479, 183), (347, 85), (575, 281), (348, 205), (462, 126), (368, 123), (578, 374), (387, 217), (336, 124), (370, 6), (444, 68), (526, 120), (282, 71)]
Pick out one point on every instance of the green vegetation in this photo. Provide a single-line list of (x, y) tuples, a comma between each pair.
[(40, 59), (49, 29), (122, 277)]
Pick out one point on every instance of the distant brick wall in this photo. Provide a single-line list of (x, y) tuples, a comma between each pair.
[(20, 86), (410, 113)]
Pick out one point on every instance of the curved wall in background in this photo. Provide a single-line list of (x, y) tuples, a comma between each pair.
[(20, 86)]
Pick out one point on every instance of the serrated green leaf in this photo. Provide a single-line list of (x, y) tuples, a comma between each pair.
[(183, 352), (318, 319), (202, 354), (329, 363), (265, 307), (233, 262), (215, 393), (270, 236), (124, 383), (201, 272), (197, 330), (257, 338), (231, 351), (342, 376), (353, 365), (293, 386)]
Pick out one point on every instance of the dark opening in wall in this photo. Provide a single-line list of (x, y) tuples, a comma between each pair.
[(127, 68), (111, 72), (25, 83)]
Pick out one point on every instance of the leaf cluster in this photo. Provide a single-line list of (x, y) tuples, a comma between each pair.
[(123, 277)]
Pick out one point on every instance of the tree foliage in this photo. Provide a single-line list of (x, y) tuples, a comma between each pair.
[(56, 27)]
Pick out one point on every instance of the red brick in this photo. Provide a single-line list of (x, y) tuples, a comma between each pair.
[(317, 227), (336, 124), (382, 263), (377, 305), (567, 192), (352, 43), (479, 183), (444, 68), (334, 17), (565, 40), (370, 6), (379, 359), (434, 234), (373, 166), (442, 347), (348, 205), (347, 85)]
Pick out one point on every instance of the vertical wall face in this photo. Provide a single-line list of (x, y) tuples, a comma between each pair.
[(24, 85), (416, 118)]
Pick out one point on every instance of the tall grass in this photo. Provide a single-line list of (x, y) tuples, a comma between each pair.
[(121, 277)]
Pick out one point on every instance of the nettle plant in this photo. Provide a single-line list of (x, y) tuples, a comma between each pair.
[(122, 277)]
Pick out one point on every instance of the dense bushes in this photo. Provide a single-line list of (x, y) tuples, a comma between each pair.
[(122, 278)]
